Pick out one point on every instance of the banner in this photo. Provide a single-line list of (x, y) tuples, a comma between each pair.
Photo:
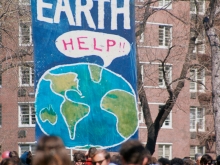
[(85, 71)]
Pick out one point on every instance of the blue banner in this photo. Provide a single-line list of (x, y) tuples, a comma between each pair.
[(85, 71)]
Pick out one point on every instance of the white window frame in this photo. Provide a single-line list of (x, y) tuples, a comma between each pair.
[(196, 150), (164, 38), (164, 145), (194, 76), (168, 75), (195, 121), (20, 124), (29, 144), (31, 76), (194, 7), (141, 38), (140, 116), (167, 4), (168, 119), (21, 2), (21, 35)]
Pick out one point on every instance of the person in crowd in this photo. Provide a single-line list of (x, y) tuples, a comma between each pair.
[(133, 152), (206, 159), (0, 158), (26, 158), (5, 154), (188, 162), (14, 156), (7, 161), (89, 155), (115, 159), (218, 160), (176, 161), (79, 158), (51, 151), (164, 161), (101, 157), (198, 158), (153, 161)]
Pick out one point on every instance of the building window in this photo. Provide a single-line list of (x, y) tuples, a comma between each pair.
[(25, 34), (168, 122), (0, 114), (165, 3), (26, 115), (196, 149), (165, 151), (168, 75), (201, 6), (24, 2), (197, 77), (197, 119), (200, 43), (26, 75), (27, 147), (165, 36)]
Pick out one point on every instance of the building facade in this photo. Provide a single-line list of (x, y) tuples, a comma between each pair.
[(189, 127)]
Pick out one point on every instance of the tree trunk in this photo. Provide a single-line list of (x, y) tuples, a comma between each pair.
[(214, 43)]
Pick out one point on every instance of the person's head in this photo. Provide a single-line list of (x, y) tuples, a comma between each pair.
[(29, 158), (8, 161), (14, 156), (164, 161), (218, 160), (188, 162), (116, 159), (101, 157), (91, 152), (46, 143), (133, 152), (79, 158), (206, 159), (177, 161), (51, 151), (153, 160), (198, 158)]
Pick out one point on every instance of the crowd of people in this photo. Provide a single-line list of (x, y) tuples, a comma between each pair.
[(50, 150)]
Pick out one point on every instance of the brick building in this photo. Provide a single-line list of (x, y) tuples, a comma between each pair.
[(187, 130)]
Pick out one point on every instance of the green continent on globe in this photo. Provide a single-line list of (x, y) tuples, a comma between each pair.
[(122, 104), (95, 72), (64, 82), (48, 114), (73, 112)]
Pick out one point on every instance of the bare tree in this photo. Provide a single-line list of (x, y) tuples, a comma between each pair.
[(174, 88)]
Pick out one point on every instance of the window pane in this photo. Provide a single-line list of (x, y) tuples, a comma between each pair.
[(167, 151), (160, 152), (200, 149), (24, 147), (33, 149), (161, 35), (25, 72), (25, 33), (192, 118), (32, 75), (33, 120)]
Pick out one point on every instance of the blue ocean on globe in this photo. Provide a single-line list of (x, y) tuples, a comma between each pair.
[(98, 126)]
